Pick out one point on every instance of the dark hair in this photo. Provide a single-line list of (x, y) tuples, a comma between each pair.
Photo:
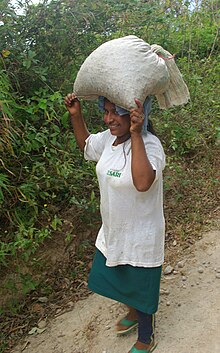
[(150, 127)]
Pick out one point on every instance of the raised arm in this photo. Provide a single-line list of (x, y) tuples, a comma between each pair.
[(142, 172), (79, 127)]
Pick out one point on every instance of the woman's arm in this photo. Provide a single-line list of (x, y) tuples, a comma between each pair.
[(142, 172), (79, 127)]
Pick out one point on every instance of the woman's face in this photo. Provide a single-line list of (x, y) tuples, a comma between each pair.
[(119, 125)]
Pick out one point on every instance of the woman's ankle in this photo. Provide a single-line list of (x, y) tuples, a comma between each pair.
[(141, 345), (132, 314)]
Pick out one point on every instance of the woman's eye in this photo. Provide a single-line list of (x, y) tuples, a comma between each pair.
[(112, 112)]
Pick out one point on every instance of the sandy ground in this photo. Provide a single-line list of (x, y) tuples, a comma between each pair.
[(188, 320)]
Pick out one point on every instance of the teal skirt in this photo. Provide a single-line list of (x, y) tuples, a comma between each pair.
[(138, 287)]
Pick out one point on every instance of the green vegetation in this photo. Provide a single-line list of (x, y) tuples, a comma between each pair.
[(42, 173)]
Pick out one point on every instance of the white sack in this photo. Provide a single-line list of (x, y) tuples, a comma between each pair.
[(123, 69)]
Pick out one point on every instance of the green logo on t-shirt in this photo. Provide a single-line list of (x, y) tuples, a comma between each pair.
[(113, 173)]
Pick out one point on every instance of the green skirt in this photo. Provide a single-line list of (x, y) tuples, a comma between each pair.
[(138, 287)]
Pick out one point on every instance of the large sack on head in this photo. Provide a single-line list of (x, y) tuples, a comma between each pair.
[(123, 69)]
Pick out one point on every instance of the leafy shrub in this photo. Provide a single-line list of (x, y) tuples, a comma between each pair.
[(42, 171)]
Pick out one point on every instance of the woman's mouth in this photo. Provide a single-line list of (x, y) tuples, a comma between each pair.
[(113, 126)]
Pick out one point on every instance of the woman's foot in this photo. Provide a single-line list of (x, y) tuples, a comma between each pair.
[(128, 323), (143, 347)]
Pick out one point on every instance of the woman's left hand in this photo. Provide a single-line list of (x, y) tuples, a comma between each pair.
[(137, 118)]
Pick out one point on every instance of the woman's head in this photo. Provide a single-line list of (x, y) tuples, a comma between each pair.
[(119, 125), (122, 112)]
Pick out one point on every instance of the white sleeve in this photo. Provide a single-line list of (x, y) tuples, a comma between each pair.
[(95, 144), (155, 154)]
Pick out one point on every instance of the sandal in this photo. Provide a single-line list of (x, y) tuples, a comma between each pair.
[(130, 326), (151, 349)]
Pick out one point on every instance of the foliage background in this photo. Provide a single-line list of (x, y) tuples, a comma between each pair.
[(46, 188)]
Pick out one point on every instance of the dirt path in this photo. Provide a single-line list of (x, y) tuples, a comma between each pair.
[(188, 320)]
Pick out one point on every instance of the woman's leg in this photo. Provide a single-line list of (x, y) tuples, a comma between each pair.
[(132, 313), (131, 316), (145, 330), (146, 326)]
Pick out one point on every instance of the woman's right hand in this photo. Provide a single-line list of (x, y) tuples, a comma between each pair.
[(72, 104), (79, 127)]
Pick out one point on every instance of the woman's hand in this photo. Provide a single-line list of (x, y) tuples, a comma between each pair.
[(72, 104), (137, 118), (143, 174), (79, 127)]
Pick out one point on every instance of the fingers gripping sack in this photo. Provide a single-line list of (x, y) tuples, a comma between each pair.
[(124, 68)]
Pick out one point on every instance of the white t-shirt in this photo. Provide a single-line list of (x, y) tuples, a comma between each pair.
[(133, 226)]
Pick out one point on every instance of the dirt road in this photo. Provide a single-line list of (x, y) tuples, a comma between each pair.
[(188, 320)]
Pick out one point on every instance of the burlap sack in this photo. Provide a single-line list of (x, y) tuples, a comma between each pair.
[(123, 69)]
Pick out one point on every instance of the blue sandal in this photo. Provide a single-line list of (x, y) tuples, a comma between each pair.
[(130, 324)]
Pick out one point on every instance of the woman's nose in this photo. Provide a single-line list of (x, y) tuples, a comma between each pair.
[(108, 118)]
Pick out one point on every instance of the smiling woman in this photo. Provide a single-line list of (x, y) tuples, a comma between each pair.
[(130, 242), (119, 125)]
